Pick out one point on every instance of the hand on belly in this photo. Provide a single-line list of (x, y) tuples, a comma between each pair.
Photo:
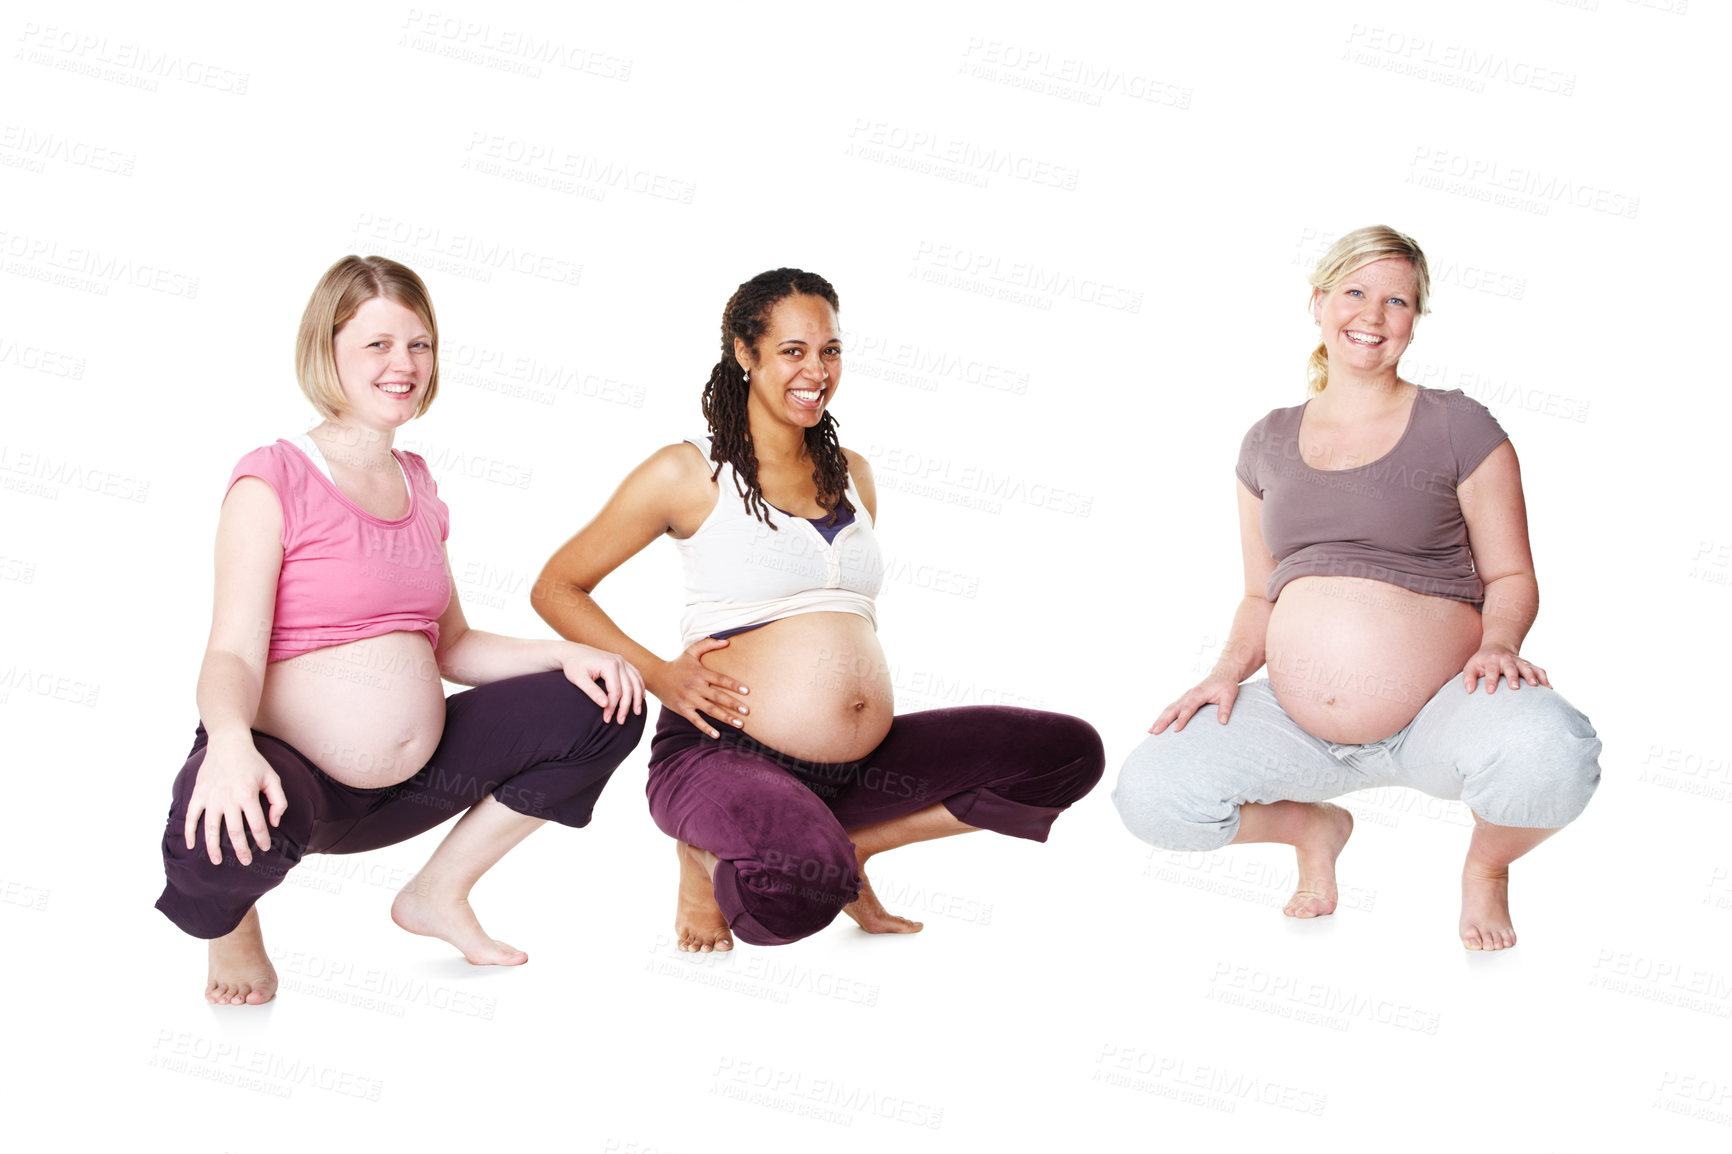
[(1354, 660), (820, 685)]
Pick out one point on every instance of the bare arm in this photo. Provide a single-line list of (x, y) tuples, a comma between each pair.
[(475, 657), (1243, 653), (1497, 533), (231, 679), (670, 492)]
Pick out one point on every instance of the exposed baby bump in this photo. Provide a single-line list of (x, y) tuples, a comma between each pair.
[(1353, 660), (369, 713), (820, 685)]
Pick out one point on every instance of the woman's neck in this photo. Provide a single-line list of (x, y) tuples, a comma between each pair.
[(776, 443), (1350, 392), (355, 446)]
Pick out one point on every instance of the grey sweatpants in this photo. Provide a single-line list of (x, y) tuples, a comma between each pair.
[(1521, 757)]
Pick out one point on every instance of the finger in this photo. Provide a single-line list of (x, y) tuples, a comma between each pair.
[(590, 691), (193, 809), (255, 817), (610, 678), (725, 684), (1224, 706), (722, 694), (697, 719), (717, 706), (213, 842), (637, 688), (704, 644), (278, 799), (235, 821), (1541, 675), (1183, 716)]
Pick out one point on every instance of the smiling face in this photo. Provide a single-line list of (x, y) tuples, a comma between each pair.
[(1367, 318), (797, 364), (384, 358)]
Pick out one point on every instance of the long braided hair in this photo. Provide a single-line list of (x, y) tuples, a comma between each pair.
[(746, 317)]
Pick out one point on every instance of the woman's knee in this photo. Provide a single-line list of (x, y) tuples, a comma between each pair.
[(791, 893), (1538, 767), (1157, 800)]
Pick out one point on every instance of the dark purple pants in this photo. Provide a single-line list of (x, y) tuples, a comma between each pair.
[(779, 824), (535, 742)]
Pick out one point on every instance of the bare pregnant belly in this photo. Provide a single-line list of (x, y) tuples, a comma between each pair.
[(820, 686), (369, 713), (1353, 660)]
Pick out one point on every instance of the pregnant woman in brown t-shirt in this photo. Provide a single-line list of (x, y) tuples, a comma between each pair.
[(1388, 587)]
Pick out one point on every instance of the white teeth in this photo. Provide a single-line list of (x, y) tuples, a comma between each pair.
[(1364, 340), (807, 395), (397, 390)]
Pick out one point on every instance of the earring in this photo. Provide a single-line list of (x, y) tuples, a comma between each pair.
[(746, 375)]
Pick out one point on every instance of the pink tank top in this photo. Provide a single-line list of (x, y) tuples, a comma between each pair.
[(347, 574)]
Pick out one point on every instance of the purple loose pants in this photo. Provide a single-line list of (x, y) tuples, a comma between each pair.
[(779, 824), (535, 742)]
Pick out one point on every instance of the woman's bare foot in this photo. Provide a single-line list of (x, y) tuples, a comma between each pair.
[(241, 973), (1326, 831), (699, 926), (1485, 920), (869, 913), (421, 909)]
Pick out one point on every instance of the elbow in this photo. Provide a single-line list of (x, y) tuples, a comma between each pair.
[(549, 595)]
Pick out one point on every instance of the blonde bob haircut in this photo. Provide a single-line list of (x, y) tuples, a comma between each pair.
[(345, 287), (1352, 252)]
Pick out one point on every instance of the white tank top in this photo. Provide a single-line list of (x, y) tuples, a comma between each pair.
[(740, 572)]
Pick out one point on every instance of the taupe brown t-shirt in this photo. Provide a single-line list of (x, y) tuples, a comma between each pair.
[(1397, 519)]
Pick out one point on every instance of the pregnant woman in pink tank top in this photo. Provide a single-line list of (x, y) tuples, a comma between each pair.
[(325, 728)]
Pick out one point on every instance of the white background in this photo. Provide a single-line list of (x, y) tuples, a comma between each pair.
[(582, 187)]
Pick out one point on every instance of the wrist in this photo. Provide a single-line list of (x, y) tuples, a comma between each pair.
[(228, 737)]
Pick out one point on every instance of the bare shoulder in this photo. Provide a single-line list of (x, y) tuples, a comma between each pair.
[(673, 487), (860, 472)]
